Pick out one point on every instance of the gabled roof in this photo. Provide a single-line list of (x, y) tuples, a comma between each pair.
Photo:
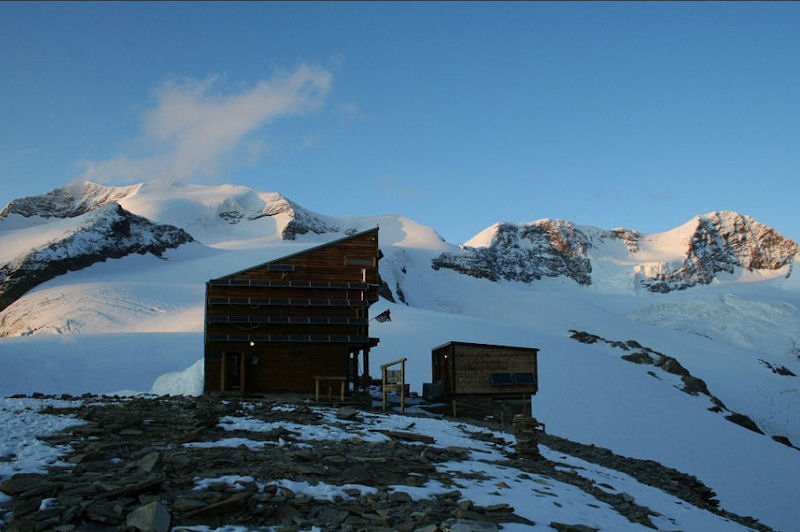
[(292, 255)]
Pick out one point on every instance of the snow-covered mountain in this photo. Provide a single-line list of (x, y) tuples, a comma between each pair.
[(713, 306), (39, 249), (702, 251)]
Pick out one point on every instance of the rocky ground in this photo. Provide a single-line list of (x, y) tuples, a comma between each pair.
[(143, 464)]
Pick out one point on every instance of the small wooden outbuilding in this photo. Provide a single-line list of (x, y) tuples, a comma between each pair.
[(285, 325), (485, 377)]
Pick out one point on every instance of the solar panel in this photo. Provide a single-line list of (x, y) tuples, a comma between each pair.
[(501, 379), (524, 378)]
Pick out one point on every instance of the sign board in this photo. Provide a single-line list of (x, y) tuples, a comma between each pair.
[(394, 376)]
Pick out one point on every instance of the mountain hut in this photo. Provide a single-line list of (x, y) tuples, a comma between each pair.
[(484, 379), (288, 324)]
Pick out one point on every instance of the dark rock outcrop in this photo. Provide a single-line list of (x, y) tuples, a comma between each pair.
[(67, 202), (546, 248), (108, 232), (722, 242), (691, 385)]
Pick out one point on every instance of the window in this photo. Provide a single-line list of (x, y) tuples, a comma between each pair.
[(509, 379), (501, 379), (359, 261), (524, 378)]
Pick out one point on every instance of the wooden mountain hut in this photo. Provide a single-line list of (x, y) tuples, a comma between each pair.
[(486, 379), (284, 325)]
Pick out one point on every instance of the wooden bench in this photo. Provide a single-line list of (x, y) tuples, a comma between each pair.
[(330, 380)]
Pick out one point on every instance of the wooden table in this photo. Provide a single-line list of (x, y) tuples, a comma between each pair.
[(330, 380)]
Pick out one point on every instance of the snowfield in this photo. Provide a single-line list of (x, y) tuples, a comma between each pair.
[(135, 325)]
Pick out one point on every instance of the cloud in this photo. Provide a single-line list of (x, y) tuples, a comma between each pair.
[(391, 185), (193, 129)]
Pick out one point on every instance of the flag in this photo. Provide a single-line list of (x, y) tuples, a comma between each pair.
[(383, 316)]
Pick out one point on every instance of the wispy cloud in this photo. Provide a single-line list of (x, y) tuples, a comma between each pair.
[(394, 186), (193, 129)]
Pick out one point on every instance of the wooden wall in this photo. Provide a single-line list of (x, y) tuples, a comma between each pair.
[(467, 368), (294, 318)]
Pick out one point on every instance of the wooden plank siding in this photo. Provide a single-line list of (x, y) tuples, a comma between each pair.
[(467, 368), (275, 326)]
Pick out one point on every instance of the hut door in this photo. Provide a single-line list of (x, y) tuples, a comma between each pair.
[(233, 371)]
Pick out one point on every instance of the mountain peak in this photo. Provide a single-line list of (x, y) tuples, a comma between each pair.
[(697, 252), (71, 200), (205, 211), (721, 242)]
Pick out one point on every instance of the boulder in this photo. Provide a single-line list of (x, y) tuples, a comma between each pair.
[(152, 517)]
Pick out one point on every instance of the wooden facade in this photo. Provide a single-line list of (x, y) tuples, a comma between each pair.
[(277, 326), (487, 377)]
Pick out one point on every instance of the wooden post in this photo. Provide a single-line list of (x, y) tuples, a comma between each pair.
[(365, 379), (242, 368), (403, 387), (222, 372), (383, 386)]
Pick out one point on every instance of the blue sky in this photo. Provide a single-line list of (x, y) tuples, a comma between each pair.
[(456, 115)]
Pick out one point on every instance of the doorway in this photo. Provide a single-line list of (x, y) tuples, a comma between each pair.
[(232, 372)]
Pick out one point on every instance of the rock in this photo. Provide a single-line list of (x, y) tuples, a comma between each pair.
[(185, 504), (467, 525), (224, 506), (150, 463), (287, 513), (347, 413), (527, 436), (152, 517), (406, 436), (744, 421), (561, 527), (783, 440), (400, 497), (105, 512), (639, 357), (24, 482)]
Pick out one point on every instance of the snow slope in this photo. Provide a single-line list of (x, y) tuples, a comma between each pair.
[(120, 324)]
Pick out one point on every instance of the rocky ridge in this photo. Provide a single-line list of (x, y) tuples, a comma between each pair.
[(720, 243), (143, 464), (301, 221), (106, 232), (545, 248), (69, 201), (104, 229), (691, 385)]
